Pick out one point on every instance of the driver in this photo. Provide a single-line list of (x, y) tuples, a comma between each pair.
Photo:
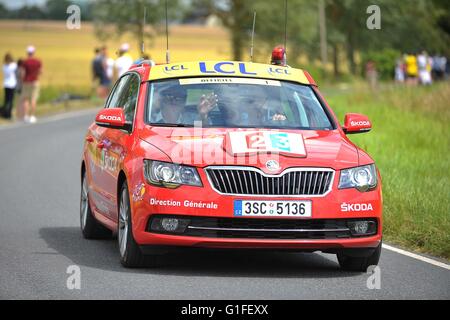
[(172, 107)]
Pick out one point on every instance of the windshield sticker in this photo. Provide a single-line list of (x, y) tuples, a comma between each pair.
[(214, 80)]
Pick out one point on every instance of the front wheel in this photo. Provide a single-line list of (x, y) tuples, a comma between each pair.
[(359, 264), (130, 253)]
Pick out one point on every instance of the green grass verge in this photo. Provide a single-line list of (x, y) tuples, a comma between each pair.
[(410, 143)]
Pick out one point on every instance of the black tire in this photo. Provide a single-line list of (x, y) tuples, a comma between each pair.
[(90, 227), (131, 255), (359, 264)]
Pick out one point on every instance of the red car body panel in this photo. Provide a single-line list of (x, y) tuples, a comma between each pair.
[(111, 155)]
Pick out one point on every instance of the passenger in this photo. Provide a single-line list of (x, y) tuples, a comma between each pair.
[(257, 111)]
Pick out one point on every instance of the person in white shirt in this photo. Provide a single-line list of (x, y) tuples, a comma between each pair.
[(110, 67), (124, 61), (424, 68), (9, 84)]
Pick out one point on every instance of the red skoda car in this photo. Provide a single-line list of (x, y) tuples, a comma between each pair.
[(221, 154)]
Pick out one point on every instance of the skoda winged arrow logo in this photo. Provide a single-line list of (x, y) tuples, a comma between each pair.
[(272, 165)]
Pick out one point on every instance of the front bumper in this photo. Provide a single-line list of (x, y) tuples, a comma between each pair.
[(205, 202), (157, 241)]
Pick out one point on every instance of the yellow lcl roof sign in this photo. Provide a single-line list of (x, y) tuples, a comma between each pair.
[(226, 68)]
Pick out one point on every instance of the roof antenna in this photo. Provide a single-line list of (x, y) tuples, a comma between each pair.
[(285, 29), (253, 36), (143, 32), (167, 38)]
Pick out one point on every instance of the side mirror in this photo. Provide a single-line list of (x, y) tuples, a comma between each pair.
[(356, 123), (112, 118)]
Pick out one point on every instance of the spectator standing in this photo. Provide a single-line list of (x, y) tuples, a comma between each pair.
[(9, 84), (400, 71), (124, 61), (110, 68), (424, 68), (30, 91), (372, 74), (446, 67), (439, 67), (19, 76), (101, 67), (412, 70), (95, 70)]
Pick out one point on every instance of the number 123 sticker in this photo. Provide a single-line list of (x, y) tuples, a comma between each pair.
[(267, 141)]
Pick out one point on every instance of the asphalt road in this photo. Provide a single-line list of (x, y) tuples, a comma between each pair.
[(40, 238)]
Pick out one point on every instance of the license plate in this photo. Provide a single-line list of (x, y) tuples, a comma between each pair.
[(263, 208)]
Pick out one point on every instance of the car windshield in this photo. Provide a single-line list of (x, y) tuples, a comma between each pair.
[(235, 103)]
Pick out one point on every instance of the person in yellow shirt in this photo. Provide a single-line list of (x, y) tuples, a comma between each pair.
[(412, 69)]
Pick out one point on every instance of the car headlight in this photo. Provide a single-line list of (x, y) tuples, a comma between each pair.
[(362, 178), (170, 175)]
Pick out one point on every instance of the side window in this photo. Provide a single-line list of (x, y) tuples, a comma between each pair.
[(128, 97), (114, 97)]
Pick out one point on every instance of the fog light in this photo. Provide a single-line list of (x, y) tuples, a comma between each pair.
[(169, 224), (161, 224), (359, 227), (362, 227)]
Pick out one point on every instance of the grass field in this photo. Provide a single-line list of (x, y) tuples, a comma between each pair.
[(410, 143)]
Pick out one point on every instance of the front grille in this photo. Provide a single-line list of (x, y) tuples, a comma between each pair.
[(251, 181)]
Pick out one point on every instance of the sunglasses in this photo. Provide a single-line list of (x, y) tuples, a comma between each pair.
[(254, 101), (174, 99)]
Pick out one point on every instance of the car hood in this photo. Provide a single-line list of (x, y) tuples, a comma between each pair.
[(210, 146)]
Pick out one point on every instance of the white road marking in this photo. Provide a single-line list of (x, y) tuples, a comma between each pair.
[(56, 117), (416, 256)]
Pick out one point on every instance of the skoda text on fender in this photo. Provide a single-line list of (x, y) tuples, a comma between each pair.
[(223, 154)]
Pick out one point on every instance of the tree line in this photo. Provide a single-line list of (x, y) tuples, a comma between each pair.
[(406, 25)]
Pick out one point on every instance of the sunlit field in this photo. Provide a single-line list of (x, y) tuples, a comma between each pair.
[(67, 54)]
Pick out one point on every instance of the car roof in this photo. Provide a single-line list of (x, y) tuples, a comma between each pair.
[(228, 69)]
